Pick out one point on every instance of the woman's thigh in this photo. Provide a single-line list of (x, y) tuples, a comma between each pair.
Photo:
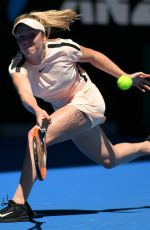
[(94, 143), (66, 123)]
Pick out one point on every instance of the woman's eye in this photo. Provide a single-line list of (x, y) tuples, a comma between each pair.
[(32, 34), (20, 37), (26, 36)]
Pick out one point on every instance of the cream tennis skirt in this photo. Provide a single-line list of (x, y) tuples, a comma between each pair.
[(90, 101), (86, 97)]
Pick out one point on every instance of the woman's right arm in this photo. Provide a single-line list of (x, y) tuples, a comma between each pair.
[(23, 87)]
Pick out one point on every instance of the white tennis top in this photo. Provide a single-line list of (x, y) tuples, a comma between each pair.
[(57, 73), (60, 80)]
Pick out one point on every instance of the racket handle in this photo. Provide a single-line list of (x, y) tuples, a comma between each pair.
[(45, 124)]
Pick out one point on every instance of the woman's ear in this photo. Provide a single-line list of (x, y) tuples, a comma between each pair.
[(44, 37), (47, 31)]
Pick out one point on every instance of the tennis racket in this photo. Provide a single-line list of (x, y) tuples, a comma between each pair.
[(40, 150)]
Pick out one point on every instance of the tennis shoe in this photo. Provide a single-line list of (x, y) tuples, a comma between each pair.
[(14, 212)]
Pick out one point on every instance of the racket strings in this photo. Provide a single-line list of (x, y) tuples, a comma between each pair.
[(40, 152)]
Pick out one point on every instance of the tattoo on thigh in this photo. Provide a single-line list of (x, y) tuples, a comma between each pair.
[(76, 120), (79, 116)]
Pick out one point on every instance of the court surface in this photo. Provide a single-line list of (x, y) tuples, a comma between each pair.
[(86, 198)]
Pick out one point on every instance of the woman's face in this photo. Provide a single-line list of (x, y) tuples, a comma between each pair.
[(30, 41)]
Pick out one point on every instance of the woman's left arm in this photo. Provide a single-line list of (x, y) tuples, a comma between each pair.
[(101, 61)]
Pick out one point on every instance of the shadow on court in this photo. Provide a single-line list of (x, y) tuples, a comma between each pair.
[(37, 226), (67, 212), (87, 198)]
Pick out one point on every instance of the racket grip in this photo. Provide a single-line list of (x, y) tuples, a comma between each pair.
[(45, 124)]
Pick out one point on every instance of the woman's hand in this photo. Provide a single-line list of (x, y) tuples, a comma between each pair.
[(141, 81), (40, 115)]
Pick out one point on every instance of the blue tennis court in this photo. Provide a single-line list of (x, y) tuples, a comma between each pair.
[(87, 198)]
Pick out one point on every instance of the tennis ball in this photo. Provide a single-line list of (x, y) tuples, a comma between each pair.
[(124, 82)]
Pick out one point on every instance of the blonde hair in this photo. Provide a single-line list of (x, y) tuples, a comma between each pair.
[(61, 19)]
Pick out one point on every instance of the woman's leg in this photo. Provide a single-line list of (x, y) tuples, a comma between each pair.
[(70, 123), (66, 123), (96, 146)]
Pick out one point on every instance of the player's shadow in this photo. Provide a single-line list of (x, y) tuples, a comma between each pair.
[(37, 225), (67, 212)]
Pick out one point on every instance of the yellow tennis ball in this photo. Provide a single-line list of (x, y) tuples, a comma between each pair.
[(124, 82)]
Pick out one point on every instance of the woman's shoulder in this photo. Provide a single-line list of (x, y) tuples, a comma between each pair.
[(18, 59), (62, 42), (17, 64), (55, 40)]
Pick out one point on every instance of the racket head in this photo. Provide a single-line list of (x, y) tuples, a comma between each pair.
[(40, 151)]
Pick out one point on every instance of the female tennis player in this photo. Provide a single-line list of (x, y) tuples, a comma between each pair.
[(50, 69)]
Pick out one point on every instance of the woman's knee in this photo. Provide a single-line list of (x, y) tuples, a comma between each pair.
[(109, 163)]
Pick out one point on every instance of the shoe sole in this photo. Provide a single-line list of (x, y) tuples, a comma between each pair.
[(23, 219)]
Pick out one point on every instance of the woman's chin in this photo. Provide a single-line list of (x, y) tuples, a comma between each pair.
[(29, 51)]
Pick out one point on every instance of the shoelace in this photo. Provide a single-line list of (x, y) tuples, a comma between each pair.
[(5, 203)]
